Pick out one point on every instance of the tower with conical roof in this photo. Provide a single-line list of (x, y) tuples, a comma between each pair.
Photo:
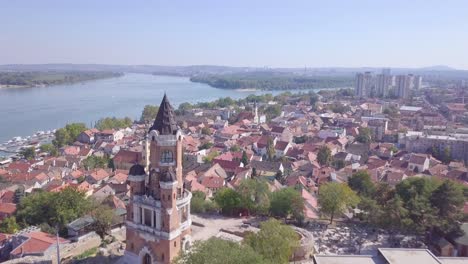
[(158, 214)]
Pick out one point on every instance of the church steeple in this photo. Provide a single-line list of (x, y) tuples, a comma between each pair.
[(165, 122)]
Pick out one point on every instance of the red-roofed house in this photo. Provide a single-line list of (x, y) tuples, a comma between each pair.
[(281, 148), (35, 244), (213, 183), (87, 136), (97, 176), (7, 210), (119, 182), (7, 196)]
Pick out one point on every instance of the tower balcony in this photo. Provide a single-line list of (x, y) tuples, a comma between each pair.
[(166, 140), (184, 198), (146, 200)]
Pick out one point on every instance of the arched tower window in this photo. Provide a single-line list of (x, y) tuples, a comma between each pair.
[(147, 259), (167, 156)]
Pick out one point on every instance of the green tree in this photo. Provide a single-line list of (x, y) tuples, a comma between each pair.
[(103, 217), (338, 164), (19, 194), (324, 156), (209, 158), (275, 242), (448, 201), (270, 150), (184, 107), (149, 113), (206, 131), (272, 111), (197, 204), (313, 100), (228, 200), (361, 183), (365, 135), (395, 216), (9, 225), (49, 148), (113, 123), (219, 251), (245, 159), (62, 138), (68, 134), (286, 202), (234, 148), (446, 156), (279, 176), (75, 129), (93, 162), (255, 195), (254, 172), (206, 145), (335, 198), (52, 207), (28, 153)]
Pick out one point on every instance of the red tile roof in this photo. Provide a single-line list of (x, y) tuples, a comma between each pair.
[(37, 243), (213, 182), (7, 208), (99, 174), (127, 156)]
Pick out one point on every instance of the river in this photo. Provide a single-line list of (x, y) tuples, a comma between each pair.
[(27, 110)]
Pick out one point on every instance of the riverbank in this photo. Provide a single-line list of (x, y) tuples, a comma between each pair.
[(16, 80), (13, 146), (25, 111)]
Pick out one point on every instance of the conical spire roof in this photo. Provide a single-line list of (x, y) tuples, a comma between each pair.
[(165, 119)]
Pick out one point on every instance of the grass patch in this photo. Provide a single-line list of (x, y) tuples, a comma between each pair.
[(88, 253)]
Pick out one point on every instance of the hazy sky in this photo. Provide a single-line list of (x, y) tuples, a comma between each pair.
[(409, 33)]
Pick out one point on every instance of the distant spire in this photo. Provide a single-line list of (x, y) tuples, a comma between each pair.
[(165, 119)]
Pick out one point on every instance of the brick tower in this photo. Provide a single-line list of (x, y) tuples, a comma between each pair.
[(158, 213)]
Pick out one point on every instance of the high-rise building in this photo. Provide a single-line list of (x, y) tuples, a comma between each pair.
[(158, 213), (383, 84), (404, 85), (417, 82), (363, 85)]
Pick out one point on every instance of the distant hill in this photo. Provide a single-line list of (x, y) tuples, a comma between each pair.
[(438, 68)]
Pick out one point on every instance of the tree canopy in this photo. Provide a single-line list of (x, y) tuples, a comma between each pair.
[(416, 205), (276, 242), (228, 200), (68, 134), (335, 198), (365, 135), (28, 153), (113, 123), (220, 251), (361, 183), (53, 208), (149, 113), (255, 195), (324, 156), (287, 202)]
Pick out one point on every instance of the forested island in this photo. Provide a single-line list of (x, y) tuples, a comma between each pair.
[(272, 81), (44, 78)]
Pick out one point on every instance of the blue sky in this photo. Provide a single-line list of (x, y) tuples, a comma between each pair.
[(287, 33)]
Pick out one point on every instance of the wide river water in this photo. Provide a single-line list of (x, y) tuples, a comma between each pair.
[(25, 111)]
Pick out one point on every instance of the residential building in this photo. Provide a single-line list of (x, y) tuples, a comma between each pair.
[(404, 86), (363, 84)]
